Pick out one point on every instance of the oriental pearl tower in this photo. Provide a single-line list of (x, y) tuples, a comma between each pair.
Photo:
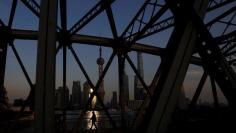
[(100, 62)]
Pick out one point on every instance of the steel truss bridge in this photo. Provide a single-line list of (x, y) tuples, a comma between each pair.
[(191, 42)]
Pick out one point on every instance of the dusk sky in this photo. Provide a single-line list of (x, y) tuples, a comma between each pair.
[(124, 11)]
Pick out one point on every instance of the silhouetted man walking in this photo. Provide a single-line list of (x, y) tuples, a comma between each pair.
[(94, 119)]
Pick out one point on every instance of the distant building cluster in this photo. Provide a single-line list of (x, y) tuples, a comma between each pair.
[(76, 96), (139, 91), (4, 101), (62, 98), (76, 100), (79, 97)]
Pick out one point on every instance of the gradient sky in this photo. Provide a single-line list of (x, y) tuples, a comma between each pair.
[(123, 11)]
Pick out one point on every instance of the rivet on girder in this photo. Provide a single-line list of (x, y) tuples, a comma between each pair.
[(209, 51), (178, 5), (203, 43), (226, 78)]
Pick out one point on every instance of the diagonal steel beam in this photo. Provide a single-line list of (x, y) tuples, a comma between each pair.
[(138, 75), (1, 23), (214, 62), (92, 13), (89, 16), (132, 39), (95, 92), (214, 92), (95, 89), (175, 64), (143, 107), (30, 98), (158, 27), (218, 4), (229, 23), (80, 65), (130, 25), (169, 22), (233, 62), (230, 53), (21, 65), (4, 40), (12, 14), (221, 39), (198, 91), (33, 6), (228, 48), (111, 21), (226, 13)]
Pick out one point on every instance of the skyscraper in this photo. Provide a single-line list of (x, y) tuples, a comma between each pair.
[(62, 98), (139, 92), (76, 94), (114, 100), (100, 62), (126, 87), (86, 91)]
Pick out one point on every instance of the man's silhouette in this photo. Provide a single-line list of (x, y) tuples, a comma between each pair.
[(94, 119)]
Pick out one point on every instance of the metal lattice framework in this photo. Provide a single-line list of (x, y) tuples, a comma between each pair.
[(191, 42)]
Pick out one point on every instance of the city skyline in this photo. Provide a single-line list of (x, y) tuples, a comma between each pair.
[(17, 85), (150, 66)]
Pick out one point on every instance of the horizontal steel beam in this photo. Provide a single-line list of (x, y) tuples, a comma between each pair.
[(98, 41), (90, 40)]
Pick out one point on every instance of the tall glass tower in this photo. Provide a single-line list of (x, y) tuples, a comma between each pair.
[(139, 92)]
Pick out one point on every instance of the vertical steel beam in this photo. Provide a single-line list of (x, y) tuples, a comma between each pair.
[(175, 64), (121, 66), (64, 42), (65, 102), (45, 71), (3, 56)]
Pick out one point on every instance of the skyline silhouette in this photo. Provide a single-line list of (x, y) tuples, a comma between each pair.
[(18, 87)]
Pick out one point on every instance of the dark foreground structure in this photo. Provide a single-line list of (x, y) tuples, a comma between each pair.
[(191, 42)]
